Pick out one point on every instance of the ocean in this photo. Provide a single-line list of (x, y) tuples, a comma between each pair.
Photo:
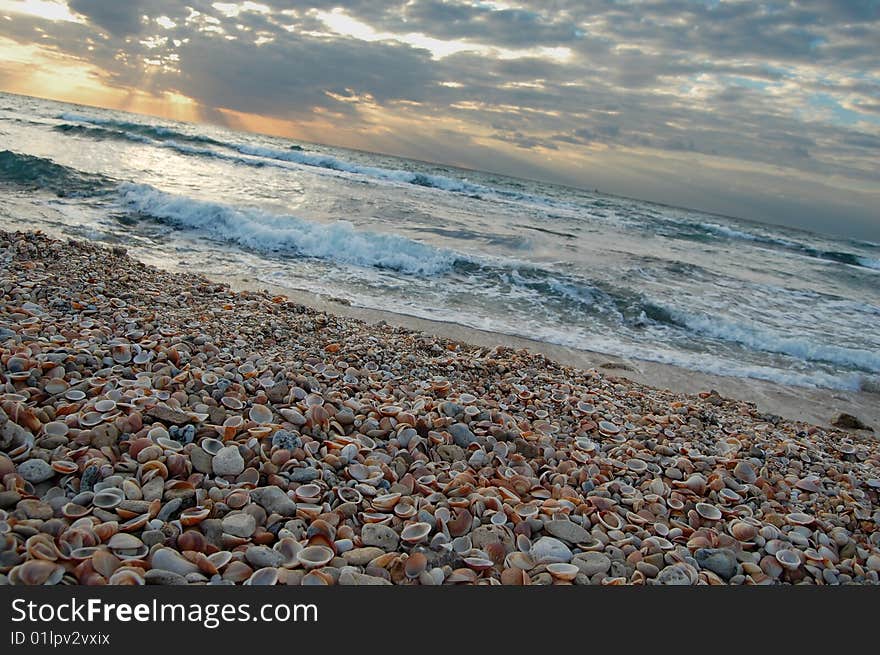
[(551, 263)]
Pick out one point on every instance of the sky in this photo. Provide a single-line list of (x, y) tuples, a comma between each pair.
[(761, 110)]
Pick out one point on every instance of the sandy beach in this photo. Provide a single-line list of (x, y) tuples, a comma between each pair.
[(161, 428)]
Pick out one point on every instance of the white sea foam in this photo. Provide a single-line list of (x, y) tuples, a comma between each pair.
[(725, 230), (273, 233)]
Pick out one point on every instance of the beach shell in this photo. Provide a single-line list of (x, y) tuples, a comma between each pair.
[(563, 571), (36, 572), (314, 556), (789, 559), (415, 532), (708, 512), (231, 402), (108, 498), (260, 414)]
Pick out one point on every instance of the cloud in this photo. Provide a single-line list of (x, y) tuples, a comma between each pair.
[(789, 87)]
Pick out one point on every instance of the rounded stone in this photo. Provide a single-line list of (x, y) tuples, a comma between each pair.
[(239, 524), (228, 461), (381, 536), (35, 471), (567, 531), (720, 561), (592, 563)]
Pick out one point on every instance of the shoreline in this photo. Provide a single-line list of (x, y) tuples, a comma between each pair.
[(814, 405)]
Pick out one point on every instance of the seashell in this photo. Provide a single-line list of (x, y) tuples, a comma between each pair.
[(64, 467), (608, 428), (349, 495), (386, 502), (231, 402), (611, 520), (405, 509), (459, 576), (75, 395), (91, 419), (74, 511), (308, 492), (637, 465), (134, 524), (126, 576), (788, 558), (108, 498), (36, 572), (308, 511), (526, 510), (220, 559), (266, 576), (708, 512), (478, 563), (314, 556), (55, 429), (169, 444), (519, 560), (42, 546), (121, 353), (742, 531), (415, 532), (194, 515), (211, 446), (498, 518), (260, 414), (415, 564), (563, 571), (799, 518), (56, 386), (105, 405)]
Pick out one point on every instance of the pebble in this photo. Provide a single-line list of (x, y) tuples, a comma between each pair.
[(568, 531), (239, 524), (718, 560), (461, 435), (274, 501), (228, 461), (381, 536), (35, 470), (591, 563)]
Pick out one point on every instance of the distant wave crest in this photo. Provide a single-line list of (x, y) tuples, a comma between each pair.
[(828, 255)]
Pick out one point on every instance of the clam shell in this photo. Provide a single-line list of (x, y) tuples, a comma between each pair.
[(314, 556), (415, 532), (562, 571), (260, 414), (708, 512), (108, 498)]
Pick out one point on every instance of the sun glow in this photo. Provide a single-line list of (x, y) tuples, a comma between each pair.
[(40, 8)]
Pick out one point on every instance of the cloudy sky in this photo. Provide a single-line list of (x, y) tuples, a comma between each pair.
[(764, 110)]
